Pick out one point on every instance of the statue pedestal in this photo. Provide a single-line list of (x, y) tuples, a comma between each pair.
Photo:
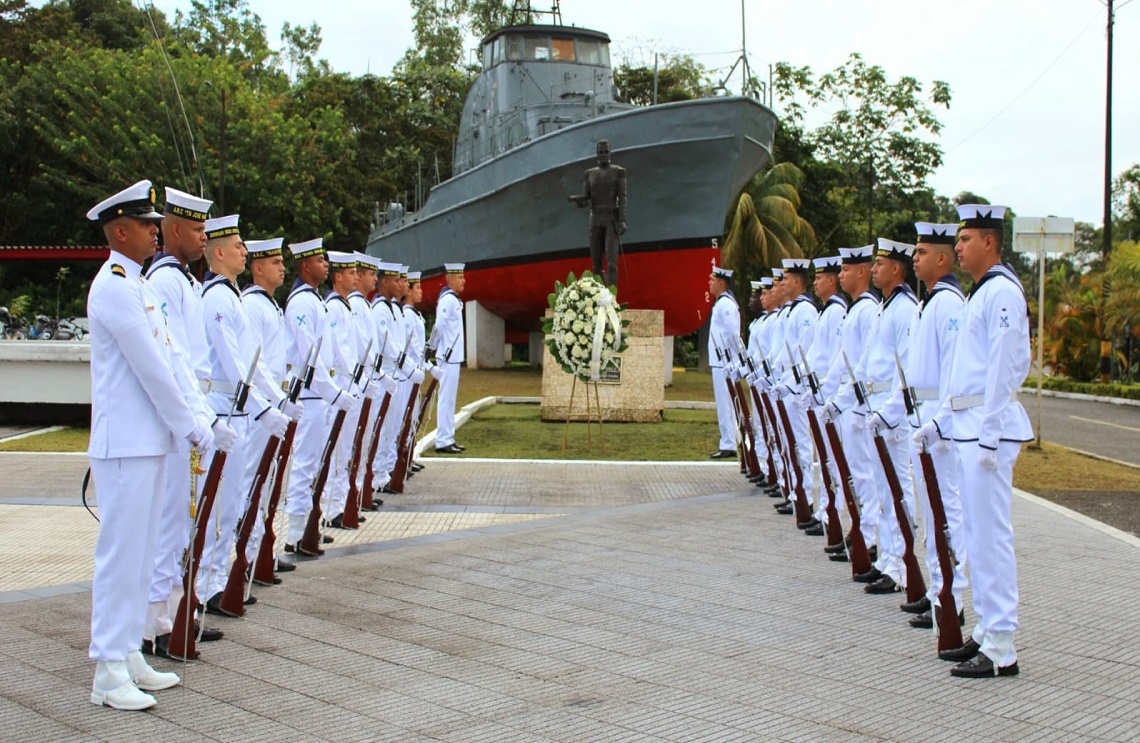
[(639, 392)]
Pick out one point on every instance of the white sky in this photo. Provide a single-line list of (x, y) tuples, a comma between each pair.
[(1026, 124)]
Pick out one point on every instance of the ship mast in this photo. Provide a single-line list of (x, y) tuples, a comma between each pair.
[(523, 13)]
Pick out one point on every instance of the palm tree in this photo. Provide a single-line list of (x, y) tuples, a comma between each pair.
[(766, 225)]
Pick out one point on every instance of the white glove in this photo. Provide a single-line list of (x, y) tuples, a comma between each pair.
[(805, 400), (875, 424), (224, 436), (436, 371), (830, 412), (417, 376), (387, 383), (344, 401), (202, 439), (274, 421), (925, 436), (373, 391), (988, 460), (293, 410)]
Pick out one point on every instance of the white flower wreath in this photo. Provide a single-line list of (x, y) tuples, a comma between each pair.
[(585, 333)]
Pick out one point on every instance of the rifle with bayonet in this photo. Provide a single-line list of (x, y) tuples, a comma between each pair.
[(263, 566), (350, 518), (310, 542), (722, 357), (945, 614), (182, 634), (778, 442), (803, 508), (834, 527), (403, 450), (753, 461), (366, 501), (759, 406), (914, 582)]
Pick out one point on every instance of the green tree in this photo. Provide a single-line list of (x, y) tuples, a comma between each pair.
[(679, 78)]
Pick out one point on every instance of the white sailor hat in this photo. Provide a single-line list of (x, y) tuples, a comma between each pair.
[(895, 250), (414, 276), (135, 201), (722, 273), (855, 256), (827, 264), (404, 270), (308, 248), (367, 262), (263, 248), (338, 259), (766, 282), (777, 274), (360, 259), (187, 206), (222, 226), (453, 267), (796, 265), (389, 269), (939, 234), (981, 216), (755, 285)]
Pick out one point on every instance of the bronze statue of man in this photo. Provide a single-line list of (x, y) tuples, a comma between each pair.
[(606, 194)]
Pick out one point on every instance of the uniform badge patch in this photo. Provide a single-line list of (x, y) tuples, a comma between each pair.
[(118, 270)]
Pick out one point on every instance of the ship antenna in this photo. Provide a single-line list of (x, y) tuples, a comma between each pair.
[(750, 87), (522, 12)]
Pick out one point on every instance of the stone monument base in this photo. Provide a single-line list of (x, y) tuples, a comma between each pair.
[(635, 393)]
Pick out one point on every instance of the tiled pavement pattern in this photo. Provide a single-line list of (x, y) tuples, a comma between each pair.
[(703, 618)]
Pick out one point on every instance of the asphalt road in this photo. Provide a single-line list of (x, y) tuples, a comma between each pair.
[(1096, 427)]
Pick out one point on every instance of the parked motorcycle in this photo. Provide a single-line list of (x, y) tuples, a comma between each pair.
[(11, 328), (69, 330), (43, 329)]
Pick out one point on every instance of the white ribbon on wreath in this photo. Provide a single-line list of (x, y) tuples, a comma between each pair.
[(606, 314)]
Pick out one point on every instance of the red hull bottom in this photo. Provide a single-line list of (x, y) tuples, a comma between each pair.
[(674, 280)]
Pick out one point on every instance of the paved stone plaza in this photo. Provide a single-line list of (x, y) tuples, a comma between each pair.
[(636, 603)]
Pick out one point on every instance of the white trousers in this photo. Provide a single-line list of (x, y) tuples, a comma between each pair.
[(130, 492), (986, 498), (833, 472), (229, 506), (336, 495), (390, 431), (862, 461), (891, 544), (445, 405), (366, 443), (308, 446), (173, 536), (946, 468), (797, 417), (725, 412), (255, 443), (758, 427)]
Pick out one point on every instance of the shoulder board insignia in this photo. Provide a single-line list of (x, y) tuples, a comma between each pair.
[(118, 270)]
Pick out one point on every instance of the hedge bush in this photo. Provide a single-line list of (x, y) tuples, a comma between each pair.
[(1059, 384)]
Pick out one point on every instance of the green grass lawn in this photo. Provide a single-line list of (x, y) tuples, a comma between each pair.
[(518, 432), (69, 439), (519, 380)]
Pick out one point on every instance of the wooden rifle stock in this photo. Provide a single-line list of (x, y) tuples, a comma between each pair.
[(403, 448), (741, 446), (946, 616), (769, 442), (432, 385), (374, 444), (779, 441), (350, 519), (233, 596), (266, 562), (860, 557), (746, 413), (834, 527), (915, 585), (182, 635), (310, 542), (803, 510)]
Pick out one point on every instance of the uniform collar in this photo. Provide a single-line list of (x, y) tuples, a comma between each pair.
[(133, 269)]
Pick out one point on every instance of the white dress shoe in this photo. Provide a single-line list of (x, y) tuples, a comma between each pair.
[(113, 687), (145, 677)]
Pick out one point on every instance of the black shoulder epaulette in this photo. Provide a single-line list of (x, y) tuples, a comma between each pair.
[(118, 270)]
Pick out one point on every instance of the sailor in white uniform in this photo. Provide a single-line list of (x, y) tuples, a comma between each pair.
[(305, 324), (982, 415), (933, 338), (348, 346), (724, 335), (450, 353), (138, 414), (180, 297), (233, 348), (855, 278), (367, 330)]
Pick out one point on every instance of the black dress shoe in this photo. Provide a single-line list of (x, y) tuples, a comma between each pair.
[(275, 582), (209, 634), (376, 503), (284, 567), (873, 552), (838, 557), (980, 666), (417, 467), (814, 531), (723, 454), (835, 549), (922, 621), (337, 523), (250, 601), (460, 447), (885, 584), (961, 615), (775, 492), (214, 606), (159, 647), (808, 524), (962, 654), (326, 539), (916, 607), (787, 502), (449, 449), (870, 576), (786, 509), (290, 549)]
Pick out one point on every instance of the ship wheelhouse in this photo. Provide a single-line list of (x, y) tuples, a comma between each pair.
[(535, 80)]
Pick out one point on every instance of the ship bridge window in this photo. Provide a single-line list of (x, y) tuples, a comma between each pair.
[(537, 47), (563, 49), (514, 47), (593, 53)]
